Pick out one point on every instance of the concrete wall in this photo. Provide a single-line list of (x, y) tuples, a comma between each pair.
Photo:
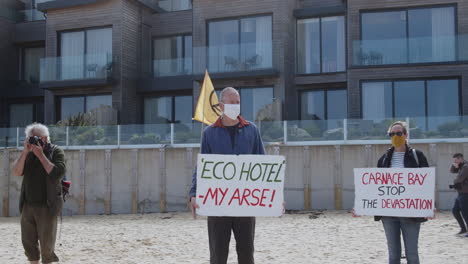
[(155, 180)]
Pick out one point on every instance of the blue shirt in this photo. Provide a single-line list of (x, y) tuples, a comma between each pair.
[(216, 140)]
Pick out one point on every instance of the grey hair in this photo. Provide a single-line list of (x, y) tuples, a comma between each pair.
[(226, 91), (40, 129)]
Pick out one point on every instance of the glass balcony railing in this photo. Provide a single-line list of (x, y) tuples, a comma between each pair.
[(172, 67), (145, 134), (233, 58), (30, 15), (271, 131), (299, 132), (91, 66), (312, 130), (9, 137), (187, 133), (9, 13), (175, 5), (412, 50), (27, 15)]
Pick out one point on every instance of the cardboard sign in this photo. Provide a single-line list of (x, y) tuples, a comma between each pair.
[(240, 185), (400, 192)]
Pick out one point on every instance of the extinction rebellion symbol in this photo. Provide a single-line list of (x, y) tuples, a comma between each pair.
[(215, 107)]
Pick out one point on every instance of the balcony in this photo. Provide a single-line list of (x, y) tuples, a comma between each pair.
[(163, 6), (424, 50), (9, 13), (172, 67), (253, 59), (175, 5), (222, 61), (91, 69), (19, 16), (30, 15), (44, 5)]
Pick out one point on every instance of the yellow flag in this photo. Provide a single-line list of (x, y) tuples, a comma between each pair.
[(207, 110)]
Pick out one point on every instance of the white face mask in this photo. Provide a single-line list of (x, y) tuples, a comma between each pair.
[(232, 110)]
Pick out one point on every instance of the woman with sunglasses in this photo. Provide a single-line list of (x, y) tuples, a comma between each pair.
[(401, 155)]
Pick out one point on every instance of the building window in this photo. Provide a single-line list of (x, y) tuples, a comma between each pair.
[(428, 102), (175, 5), (73, 105), (85, 54), (240, 45), (23, 114), (172, 56), (420, 35), (324, 104), (256, 103), (321, 45), (31, 64), (168, 109)]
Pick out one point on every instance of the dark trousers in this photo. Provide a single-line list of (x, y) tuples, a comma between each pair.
[(38, 227), (460, 210), (219, 234)]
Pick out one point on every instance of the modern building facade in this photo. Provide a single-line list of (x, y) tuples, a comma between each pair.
[(143, 61)]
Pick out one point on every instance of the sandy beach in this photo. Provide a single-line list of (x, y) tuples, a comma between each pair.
[(313, 237)]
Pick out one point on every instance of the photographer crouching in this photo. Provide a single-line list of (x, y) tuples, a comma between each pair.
[(43, 166), (460, 208)]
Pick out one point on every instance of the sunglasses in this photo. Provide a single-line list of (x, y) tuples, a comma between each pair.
[(391, 134)]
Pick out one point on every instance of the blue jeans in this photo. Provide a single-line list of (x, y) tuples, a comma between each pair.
[(394, 226)]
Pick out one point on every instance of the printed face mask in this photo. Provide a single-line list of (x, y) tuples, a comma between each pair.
[(232, 110), (398, 141)]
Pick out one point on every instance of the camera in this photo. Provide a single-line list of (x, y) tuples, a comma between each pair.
[(455, 186), (35, 140)]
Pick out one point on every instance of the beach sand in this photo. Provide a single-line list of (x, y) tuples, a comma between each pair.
[(312, 237)]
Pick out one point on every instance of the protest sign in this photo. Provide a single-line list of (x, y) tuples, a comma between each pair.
[(401, 192), (240, 185)]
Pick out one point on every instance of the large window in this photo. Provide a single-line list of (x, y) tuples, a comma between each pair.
[(429, 102), (324, 104), (320, 45), (418, 35), (85, 54), (172, 56), (256, 103), (240, 44), (23, 114), (71, 106), (31, 64), (168, 109)]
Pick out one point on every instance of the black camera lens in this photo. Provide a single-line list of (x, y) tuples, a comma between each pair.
[(33, 140)]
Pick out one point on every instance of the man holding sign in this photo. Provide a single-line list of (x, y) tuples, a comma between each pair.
[(230, 135), (400, 192)]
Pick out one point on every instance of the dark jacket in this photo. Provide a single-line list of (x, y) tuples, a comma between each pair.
[(409, 162), (53, 179), (217, 140), (462, 177)]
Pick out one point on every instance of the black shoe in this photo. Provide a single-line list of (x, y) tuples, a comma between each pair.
[(463, 231)]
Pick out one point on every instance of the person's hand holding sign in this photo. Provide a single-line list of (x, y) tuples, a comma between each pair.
[(193, 207)]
